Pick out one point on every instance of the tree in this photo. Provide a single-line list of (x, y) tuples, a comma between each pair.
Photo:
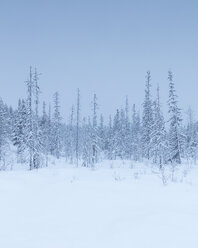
[(19, 131), (135, 135), (109, 140), (29, 130), (191, 141), (77, 126), (3, 136), (127, 132), (175, 123), (158, 136), (147, 121), (117, 140), (94, 133), (36, 127), (86, 142), (56, 146), (70, 139), (45, 134), (102, 134)]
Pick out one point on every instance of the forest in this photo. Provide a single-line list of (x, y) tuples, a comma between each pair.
[(35, 130)]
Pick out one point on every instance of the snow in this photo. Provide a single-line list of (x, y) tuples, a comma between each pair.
[(113, 205)]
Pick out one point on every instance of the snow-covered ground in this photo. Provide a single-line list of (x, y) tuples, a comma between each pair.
[(117, 205)]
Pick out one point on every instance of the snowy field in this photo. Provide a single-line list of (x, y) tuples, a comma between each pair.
[(112, 206)]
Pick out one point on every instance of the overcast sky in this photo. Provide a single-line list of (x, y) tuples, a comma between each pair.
[(102, 46)]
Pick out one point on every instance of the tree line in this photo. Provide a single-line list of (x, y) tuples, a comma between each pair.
[(85, 141)]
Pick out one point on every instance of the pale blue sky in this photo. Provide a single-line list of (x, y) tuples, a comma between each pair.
[(103, 46)]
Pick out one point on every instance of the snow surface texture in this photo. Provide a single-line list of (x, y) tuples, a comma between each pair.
[(116, 205)]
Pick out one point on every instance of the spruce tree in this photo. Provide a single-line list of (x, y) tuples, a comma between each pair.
[(147, 120), (45, 134), (29, 126), (36, 126), (158, 136), (135, 135), (19, 131), (94, 132), (56, 127), (175, 123), (191, 138), (3, 136), (77, 126)]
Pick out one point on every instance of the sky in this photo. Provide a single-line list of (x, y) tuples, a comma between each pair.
[(100, 46)]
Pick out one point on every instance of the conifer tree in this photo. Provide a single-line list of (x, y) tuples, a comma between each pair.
[(94, 133), (109, 140), (135, 135), (127, 132), (29, 129), (117, 141), (191, 138), (45, 134), (3, 136), (19, 131), (77, 125), (36, 126), (147, 121), (86, 143), (70, 138), (56, 127), (175, 123), (102, 134), (158, 136)]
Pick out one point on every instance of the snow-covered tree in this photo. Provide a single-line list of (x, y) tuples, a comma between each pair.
[(3, 136), (135, 135), (117, 141), (127, 132), (19, 131), (191, 137), (36, 127), (70, 138), (86, 142), (175, 123), (102, 134), (77, 125), (29, 127), (94, 132), (45, 134), (56, 127), (147, 120), (109, 149), (158, 136)]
